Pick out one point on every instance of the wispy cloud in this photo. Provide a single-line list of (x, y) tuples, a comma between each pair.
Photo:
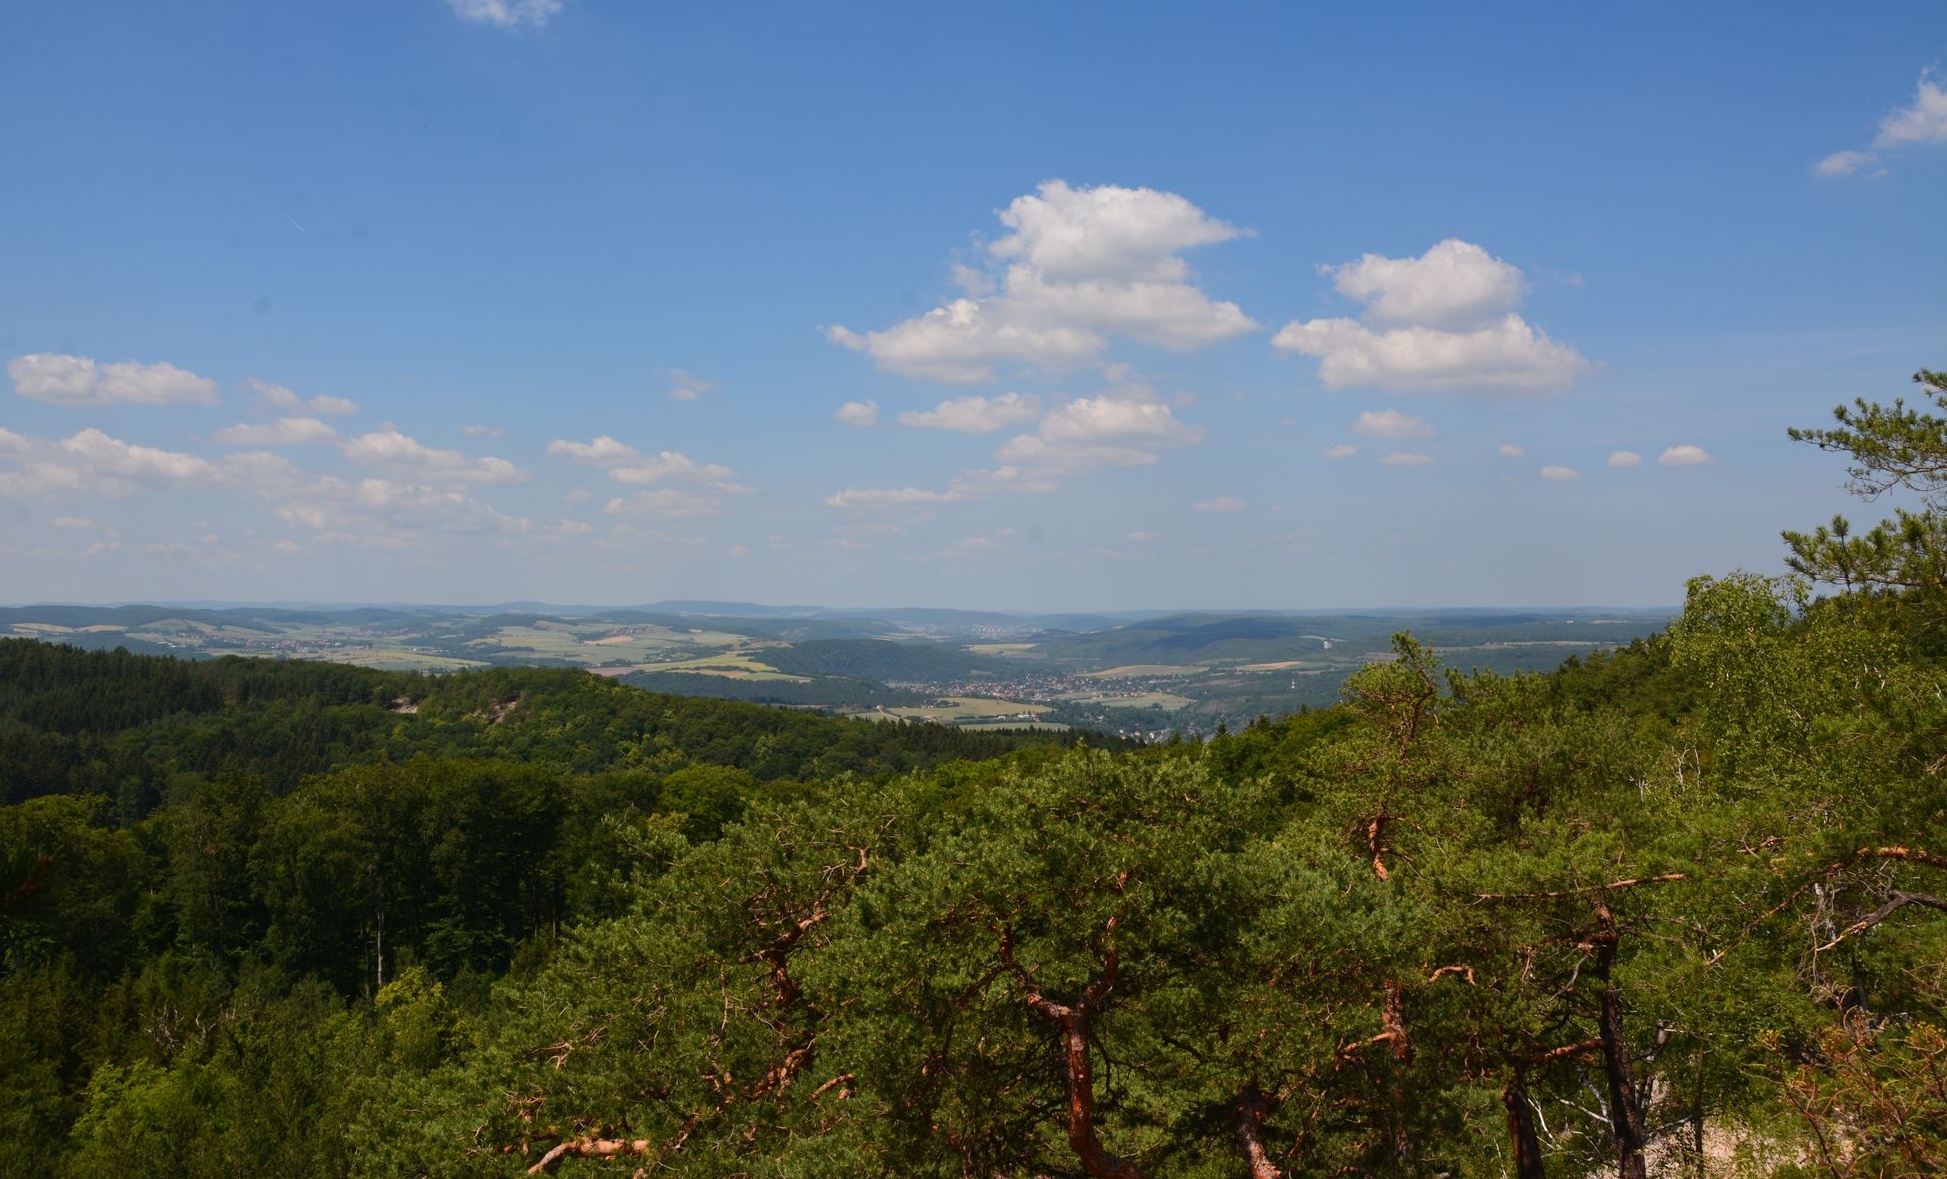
[(283, 432), (1920, 123), (688, 386), (1390, 423), (507, 14)]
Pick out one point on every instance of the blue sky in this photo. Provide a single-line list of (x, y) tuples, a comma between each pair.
[(1022, 306)]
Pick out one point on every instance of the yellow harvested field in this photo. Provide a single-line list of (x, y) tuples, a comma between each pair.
[(727, 672), (589, 643), (1280, 666), (1129, 671), (1138, 700), (964, 709), (724, 662)]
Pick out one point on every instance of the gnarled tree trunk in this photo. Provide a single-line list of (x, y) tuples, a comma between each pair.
[(1625, 1100), (1252, 1108), (1521, 1131), (1078, 1074)]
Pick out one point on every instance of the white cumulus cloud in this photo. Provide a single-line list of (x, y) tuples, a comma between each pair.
[(673, 466), (1508, 356), (1624, 458), (1560, 474), (93, 463), (1455, 284), (603, 451), (863, 414), (674, 485), (1405, 458), (1340, 450), (1510, 450), (1080, 265), (406, 457), (1441, 322), (389, 514), (976, 414), (1390, 423), (282, 400), (1222, 503), (78, 380), (1124, 427), (1685, 456), (1111, 430)]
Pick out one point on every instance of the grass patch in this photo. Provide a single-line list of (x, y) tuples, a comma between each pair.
[(1137, 670)]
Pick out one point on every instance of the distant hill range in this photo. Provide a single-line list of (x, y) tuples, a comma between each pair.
[(1133, 673)]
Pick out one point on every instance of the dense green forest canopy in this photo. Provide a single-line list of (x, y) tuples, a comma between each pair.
[(1675, 909)]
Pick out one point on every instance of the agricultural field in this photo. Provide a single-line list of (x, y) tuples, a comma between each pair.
[(966, 710)]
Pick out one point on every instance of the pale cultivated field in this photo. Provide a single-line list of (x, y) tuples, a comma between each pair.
[(604, 643), (963, 710), (1140, 700), (1130, 671), (35, 629)]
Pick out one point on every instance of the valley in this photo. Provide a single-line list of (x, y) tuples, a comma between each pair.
[(1142, 676)]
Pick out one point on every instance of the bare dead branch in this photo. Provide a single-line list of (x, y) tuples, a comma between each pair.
[(1897, 901), (1564, 1052), (589, 1148), (1907, 854), (836, 1082)]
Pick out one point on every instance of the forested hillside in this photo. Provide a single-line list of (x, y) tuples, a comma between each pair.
[(1671, 910)]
